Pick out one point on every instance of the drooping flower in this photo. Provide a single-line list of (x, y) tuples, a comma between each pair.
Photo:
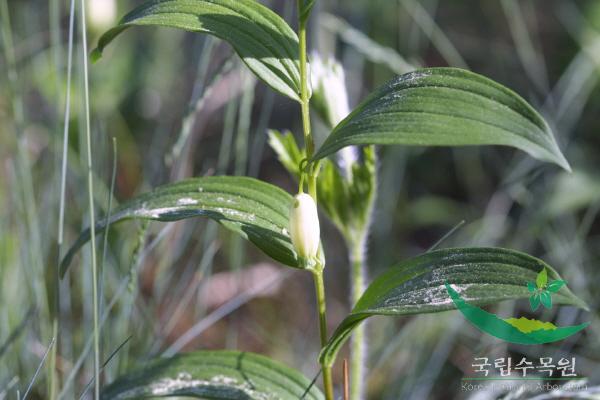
[(330, 100), (330, 97), (304, 226)]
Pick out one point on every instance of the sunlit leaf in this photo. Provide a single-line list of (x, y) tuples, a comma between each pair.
[(481, 276), (256, 210), (445, 107), (263, 40), (285, 147), (216, 375)]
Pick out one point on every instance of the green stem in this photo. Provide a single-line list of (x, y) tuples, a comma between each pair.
[(90, 180), (322, 310), (358, 348), (309, 142), (304, 98), (54, 22), (312, 190)]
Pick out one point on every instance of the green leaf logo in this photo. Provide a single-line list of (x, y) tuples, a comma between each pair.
[(542, 279), (534, 301), (555, 286), (546, 299), (515, 330), (541, 291)]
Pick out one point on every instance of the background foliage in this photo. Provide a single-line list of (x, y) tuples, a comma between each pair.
[(191, 285)]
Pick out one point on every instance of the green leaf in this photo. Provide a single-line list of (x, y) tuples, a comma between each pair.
[(445, 107), (541, 279), (263, 40), (531, 286), (546, 299), (555, 286), (348, 198), (215, 375), (534, 302), (286, 148), (481, 276), (256, 210)]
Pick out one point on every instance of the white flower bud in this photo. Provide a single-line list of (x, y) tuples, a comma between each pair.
[(330, 100), (330, 97), (102, 14), (304, 226)]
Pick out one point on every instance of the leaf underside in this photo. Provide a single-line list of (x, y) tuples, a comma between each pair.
[(256, 210), (445, 107), (216, 375), (263, 40), (481, 275)]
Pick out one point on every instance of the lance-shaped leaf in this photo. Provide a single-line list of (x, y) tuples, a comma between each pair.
[(480, 275), (445, 107), (262, 39), (256, 210), (217, 375)]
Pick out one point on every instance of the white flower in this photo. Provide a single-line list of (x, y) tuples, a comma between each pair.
[(329, 89), (304, 226), (102, 14), (330, 100)]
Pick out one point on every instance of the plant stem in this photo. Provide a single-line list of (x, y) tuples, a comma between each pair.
[(54, 23), (358, 348), (91, 205), (312, 190), (305, 107), (322, 310), (61, 213), (356, 241), (304, 98)]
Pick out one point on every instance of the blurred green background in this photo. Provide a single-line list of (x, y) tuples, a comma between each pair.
[(181, 104)]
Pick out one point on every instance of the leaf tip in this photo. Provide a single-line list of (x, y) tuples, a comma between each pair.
[(63, 267), (564, 164), (96, 54)]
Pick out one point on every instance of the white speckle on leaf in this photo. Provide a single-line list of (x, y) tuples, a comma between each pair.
[(186, 201), (155, 212), (184, 381), (184, 375)]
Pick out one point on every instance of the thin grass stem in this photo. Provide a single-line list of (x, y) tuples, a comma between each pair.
[(92, 222), (39, 368)]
